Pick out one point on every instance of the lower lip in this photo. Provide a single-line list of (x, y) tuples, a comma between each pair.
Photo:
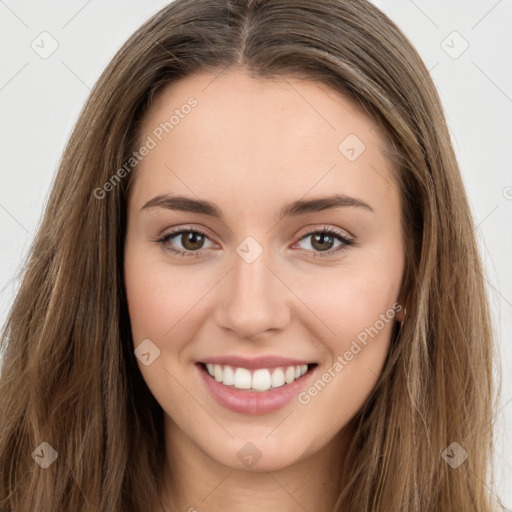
[(254, 402)]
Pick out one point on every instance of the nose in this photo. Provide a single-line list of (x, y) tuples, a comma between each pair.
[(254, 300)]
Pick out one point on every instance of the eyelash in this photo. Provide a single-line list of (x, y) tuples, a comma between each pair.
[(347, 242)]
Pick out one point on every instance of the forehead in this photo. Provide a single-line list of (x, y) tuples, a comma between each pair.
[(285, 134), (307, 108)]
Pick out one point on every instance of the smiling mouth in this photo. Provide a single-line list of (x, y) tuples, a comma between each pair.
[(258, 380)]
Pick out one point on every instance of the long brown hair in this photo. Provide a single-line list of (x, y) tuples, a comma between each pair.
[(68, 375)]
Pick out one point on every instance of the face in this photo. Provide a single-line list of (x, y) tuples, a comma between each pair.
[(264, 247)]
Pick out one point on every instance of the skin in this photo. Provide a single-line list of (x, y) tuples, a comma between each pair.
[(252, 146)]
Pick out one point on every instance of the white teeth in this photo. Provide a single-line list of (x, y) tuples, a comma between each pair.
[(277, 378), (229, 376), (289, 375), (261, 379), (217, 372), (242, 378)]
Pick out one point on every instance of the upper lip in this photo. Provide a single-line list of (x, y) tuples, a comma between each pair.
[(255, 362)]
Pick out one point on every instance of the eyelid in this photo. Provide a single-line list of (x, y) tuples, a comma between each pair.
[(340, 232)]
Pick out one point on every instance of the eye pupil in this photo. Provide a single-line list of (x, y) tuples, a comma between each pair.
[(192, 241), (320, 239)]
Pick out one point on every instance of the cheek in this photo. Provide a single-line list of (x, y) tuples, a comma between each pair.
[(158, 301), (350, 300), (157, 295), (358, 309)]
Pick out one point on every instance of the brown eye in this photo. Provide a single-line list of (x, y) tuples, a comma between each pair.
[(192, 240), (323, 241), (184, 242)]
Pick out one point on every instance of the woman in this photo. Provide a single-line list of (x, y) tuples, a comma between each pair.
[(256, 283)]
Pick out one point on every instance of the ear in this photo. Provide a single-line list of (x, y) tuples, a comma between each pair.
[(400, 308), (400, 315)]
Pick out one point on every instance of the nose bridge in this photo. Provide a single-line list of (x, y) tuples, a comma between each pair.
[(250, 276), (253, 299)]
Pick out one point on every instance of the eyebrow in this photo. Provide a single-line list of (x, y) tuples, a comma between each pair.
[(299, 207)]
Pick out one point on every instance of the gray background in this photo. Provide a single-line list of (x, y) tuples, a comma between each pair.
[(40, 99)]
